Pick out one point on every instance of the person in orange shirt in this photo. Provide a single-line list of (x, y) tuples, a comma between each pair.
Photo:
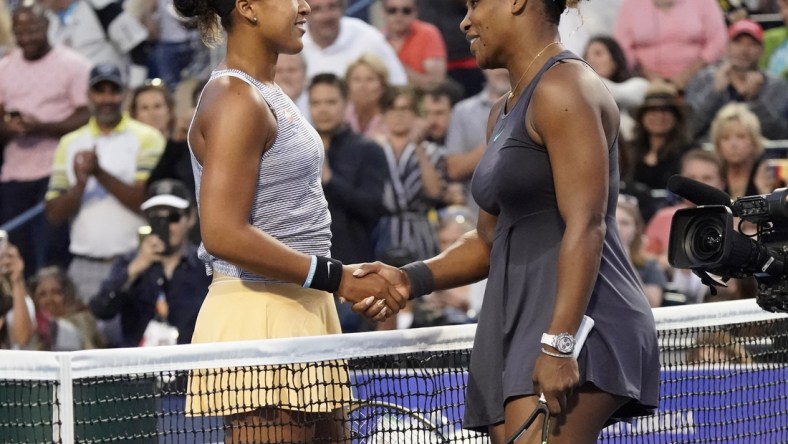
[(419, 45)]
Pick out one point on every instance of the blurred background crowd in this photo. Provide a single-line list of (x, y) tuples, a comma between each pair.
[(96, 188)]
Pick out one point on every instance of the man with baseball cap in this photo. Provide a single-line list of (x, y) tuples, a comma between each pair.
[(98, 180), (161, 283), (738, 79)]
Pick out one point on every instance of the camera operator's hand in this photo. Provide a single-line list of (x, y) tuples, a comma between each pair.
[(150, 251)]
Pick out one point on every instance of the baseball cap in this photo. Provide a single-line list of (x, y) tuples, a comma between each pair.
[(746, 26), (106, 72), (167, 193)]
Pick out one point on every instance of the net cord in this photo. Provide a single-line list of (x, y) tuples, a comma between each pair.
[(64, 393), (26, 365)]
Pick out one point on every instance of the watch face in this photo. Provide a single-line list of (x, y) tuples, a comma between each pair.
[(565, 343)]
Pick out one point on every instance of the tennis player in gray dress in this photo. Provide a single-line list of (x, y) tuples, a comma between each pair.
[(547, 242)]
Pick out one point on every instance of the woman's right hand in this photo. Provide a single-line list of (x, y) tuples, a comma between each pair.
[(394, 276), (371, 295)]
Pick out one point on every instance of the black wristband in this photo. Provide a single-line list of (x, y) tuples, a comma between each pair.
[(421, 280), (328, 274)]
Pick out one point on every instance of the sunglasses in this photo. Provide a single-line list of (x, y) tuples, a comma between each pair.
[(405, 10), (172, 217)]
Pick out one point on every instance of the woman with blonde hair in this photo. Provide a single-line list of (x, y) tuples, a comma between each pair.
[(367, 80), (736, 135), (631, 229)]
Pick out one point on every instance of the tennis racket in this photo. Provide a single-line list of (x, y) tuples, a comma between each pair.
[(541, 406)]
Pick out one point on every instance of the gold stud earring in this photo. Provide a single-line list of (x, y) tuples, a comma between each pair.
[(254, 19)]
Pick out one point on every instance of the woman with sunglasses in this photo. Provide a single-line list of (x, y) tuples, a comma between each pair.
[(266, 232), (419, 45), (547, 242)]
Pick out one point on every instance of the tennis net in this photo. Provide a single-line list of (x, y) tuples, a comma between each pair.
[(724, 379)]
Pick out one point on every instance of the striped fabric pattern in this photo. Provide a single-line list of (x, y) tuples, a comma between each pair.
[(289, 203), (407, 224)]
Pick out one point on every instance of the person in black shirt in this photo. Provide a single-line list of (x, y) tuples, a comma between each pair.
[(354, 173), (163, 279)]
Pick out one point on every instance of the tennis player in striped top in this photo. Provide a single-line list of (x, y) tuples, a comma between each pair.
[(265, 230)]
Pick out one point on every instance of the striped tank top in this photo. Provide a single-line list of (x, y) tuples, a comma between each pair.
[(289, 204)]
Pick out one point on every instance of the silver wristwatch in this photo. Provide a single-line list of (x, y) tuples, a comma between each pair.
[(563, 342)]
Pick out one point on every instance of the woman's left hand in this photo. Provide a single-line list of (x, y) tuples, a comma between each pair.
[(555, 378)]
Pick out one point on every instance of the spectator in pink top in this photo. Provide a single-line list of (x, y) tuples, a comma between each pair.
[(671, 39), (43, 95), (419, 45)]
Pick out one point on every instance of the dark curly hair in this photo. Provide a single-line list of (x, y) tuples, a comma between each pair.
[(621, 71), (208, 16), (554, 8)]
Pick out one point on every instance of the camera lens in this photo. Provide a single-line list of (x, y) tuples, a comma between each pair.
[(705, 239)]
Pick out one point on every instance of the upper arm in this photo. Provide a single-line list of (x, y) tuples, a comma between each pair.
[(58, 179), (235, 126), (485, 227), (571, 114)]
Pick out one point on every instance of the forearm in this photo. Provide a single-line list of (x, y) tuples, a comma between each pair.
[(66, 205), (432, 185), (57, 129), (460, 166), (242, 246), (131, 196), (435, 71), (465, 262), (21, 330), (578, 266)]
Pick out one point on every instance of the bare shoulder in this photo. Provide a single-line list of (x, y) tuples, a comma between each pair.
[(231, 109), (572, 91)]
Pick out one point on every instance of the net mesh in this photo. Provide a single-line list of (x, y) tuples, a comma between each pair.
[(724, 378)]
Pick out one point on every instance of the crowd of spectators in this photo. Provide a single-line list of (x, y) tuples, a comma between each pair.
[(96, 97)]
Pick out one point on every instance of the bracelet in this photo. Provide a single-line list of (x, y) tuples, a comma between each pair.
[(311, 274), (422, 281), (328, 274), (556, 355)]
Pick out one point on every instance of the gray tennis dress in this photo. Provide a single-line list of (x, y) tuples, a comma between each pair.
[(514, 182)]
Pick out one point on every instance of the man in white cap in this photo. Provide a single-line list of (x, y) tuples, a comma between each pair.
[(158, 288)]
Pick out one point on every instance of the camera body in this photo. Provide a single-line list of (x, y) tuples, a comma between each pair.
[(704, 240), (160, 227)]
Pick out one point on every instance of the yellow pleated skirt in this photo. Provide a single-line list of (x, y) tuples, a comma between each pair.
[(236, 310)]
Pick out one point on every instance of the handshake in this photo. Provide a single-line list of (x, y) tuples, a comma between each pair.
[(377, 291)]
